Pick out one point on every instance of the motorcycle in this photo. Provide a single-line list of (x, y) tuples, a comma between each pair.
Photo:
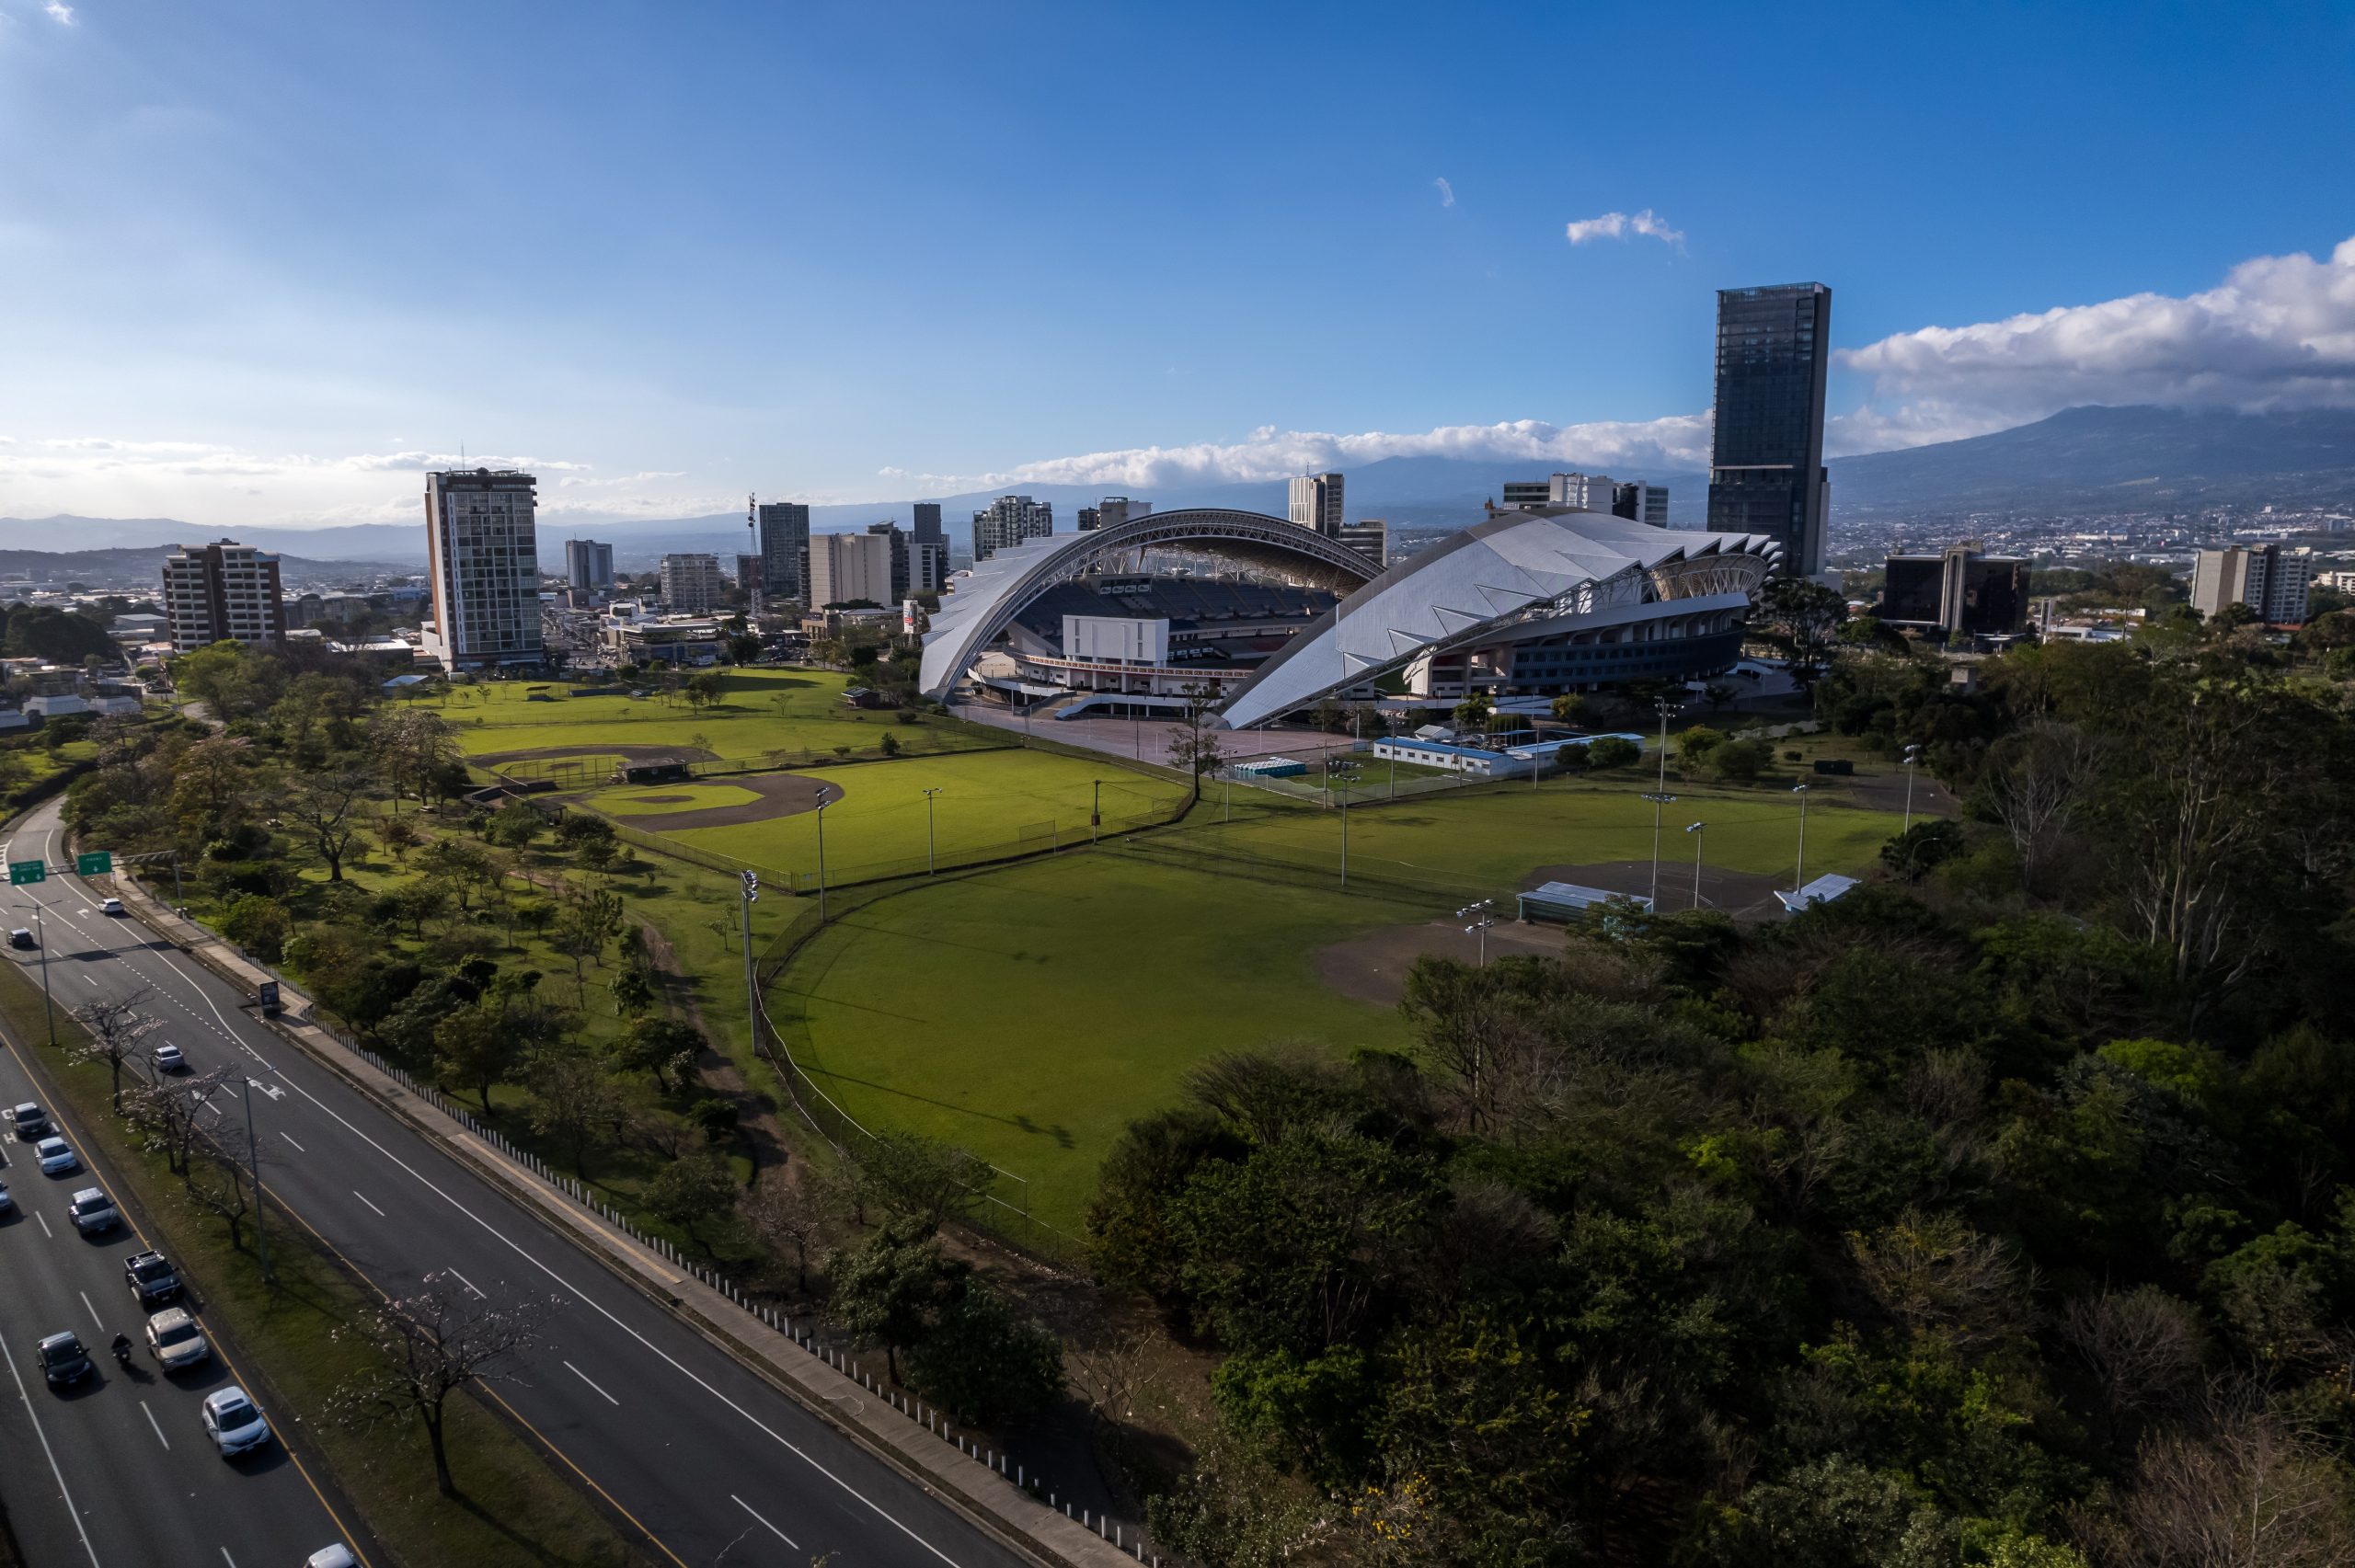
[(123, 1350)]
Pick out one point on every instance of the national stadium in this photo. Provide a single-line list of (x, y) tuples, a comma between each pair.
[(1270, 618)]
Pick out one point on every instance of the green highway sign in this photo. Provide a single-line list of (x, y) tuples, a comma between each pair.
[(97, 863), (23, 871)]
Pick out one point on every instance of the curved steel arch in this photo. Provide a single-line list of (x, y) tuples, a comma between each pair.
[(986, 602)]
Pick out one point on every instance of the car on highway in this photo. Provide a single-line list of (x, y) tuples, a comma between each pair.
[(234, 1422), (93, 1211), (151, 1277), (8, 1203), (21, 937), (110, 906), (169, 1059), (178, 1343), (62, 1360), (28, 1121), (57, 1157), (336, 1556)]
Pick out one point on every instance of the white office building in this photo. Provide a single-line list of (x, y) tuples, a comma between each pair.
[(482, 550), (691, 584), (845, 569), (2268, 578)]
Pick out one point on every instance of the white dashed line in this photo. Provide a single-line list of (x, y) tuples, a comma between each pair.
[(156, 1424), (364, 1197), (98, 1322), (592, 1382), (298, 1148), (771, 1529), (469, 1285), (44, 1225)]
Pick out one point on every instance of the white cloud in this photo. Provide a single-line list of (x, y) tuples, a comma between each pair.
[(59, 12), (1446, 191), (1678, 441), (1619, 225), (2277, 332)]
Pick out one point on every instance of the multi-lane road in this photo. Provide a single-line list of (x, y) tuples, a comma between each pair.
[(701, 1460)]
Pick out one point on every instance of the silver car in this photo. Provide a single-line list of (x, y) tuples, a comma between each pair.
[(57, 1157), (234, 1422), (178, 1343)]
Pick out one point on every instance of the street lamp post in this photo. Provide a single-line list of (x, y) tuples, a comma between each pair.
[(1800, 878), (1698, 831), (1913, 755), (752, 890), (253, 1163), (40, 935), (931, 866)]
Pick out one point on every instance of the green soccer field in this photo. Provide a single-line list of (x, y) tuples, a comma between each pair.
[(990, 802), (1030, 1012), (763, 711)]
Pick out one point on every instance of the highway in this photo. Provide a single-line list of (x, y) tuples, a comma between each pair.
[(703, 1461)]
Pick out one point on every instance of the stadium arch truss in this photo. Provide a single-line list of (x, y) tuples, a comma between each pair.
[(987, 601), (1518, 578)]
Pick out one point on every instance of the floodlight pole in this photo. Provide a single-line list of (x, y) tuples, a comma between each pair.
[(1913, 755), (1698, 831), (1659, 798), (751, 890), (931, 866), (822, 854), (1800, 880), (1345, 843)]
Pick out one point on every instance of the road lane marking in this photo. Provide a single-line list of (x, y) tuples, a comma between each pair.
[(298, 1148), (593, 1383), (226, 1558), (44, 1225), (469, 1285), (602, 1310), (772, 1529), (98, 1320), (364, 1197), (51, 1454), (156, 1424)]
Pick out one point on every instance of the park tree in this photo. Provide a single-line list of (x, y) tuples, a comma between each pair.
[(574, 1102), (258, 924), (923, 1180), (783, 1221), (587, 920), (476, 1048), (891, 1288), (515, 825), (112, 1028), (168, 1114), (430, 1344), (1194, 741), (695, 1192), (663, 1049), (331, 810), (1803, 619)]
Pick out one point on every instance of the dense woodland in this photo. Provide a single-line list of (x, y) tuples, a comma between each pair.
[(2002, 1213)]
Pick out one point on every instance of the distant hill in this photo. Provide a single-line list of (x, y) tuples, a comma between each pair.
[(2099, 460), (139, 569)]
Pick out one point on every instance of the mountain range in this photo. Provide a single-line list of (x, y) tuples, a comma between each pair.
[(2081, 461)]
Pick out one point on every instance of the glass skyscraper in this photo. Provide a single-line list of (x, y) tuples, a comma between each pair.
[(1766, 473)]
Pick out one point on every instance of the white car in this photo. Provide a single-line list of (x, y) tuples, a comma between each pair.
[(93, 1211), (178, 1343), (110, 906), (169, 1059), (57, 1157), (336, 1556), (234, 1422)]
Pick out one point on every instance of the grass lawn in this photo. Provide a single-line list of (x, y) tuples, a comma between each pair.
[(1030, 1012), (766, 710), (658, 800), (989, 801)]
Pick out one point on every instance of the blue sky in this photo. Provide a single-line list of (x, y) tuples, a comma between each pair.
[(265, 261)]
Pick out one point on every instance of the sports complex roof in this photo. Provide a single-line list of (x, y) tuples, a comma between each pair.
[(1517, 574)]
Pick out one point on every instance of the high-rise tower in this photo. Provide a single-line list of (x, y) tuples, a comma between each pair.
[(1766, 473)]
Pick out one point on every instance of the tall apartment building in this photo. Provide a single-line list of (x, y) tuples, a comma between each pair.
[(1088, 518), (1640, 502), (847, 569), (691, 584), (1007, 521), (1766, 473), (1369, 537), (482, 552), (589, 565), (1316, 503), (2269, 579), (927, 565), (224, 593), (784, 548), (1114, 510)]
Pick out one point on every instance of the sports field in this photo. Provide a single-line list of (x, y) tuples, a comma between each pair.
[(763, 711), (669, 799), (1002, 801), (1030, 1012)]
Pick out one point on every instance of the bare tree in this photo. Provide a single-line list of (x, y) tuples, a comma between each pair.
[(167, 1114), (2144, 1344), (783, 1221), (2245, 1492), (111, 1030), (435, 1342), (1931, 1271), (1194, 740), (2035, 783), (1113, 1374), (217, 1183), (326, 807)]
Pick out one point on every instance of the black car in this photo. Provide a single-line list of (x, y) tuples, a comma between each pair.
[(62, 1359), (151, 1278)]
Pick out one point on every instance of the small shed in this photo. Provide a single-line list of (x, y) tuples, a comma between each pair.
[(1822, 890), (1568, 901)]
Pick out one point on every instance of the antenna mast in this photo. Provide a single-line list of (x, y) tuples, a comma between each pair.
[(753, 607)]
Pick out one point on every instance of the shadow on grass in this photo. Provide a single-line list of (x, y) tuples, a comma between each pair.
[(1020, 1124)]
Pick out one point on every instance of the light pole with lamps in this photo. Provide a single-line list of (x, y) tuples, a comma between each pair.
[(1482, 916), (1658, 800), (822, 854), (1800, 878), (931, 867), (1913, 755), (1699, 832), (752, 895)]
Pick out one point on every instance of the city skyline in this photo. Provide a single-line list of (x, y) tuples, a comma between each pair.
[(217, 218)]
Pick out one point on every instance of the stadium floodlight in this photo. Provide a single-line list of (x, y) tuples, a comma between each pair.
[(1485, 910), (1799, 877), (1913, 755), (1659, 798), (1699, 832)]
